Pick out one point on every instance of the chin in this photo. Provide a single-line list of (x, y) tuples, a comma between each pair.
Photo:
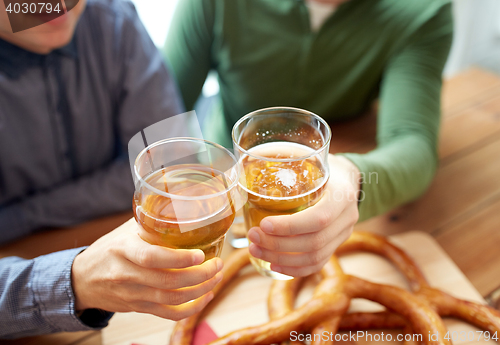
[(57, 40), (47, 37)]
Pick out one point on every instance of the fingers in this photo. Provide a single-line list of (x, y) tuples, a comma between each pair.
[(305, 254), (310, 220), (302, 271), (313, 258), (169, 279), (151, 256), (142, 293), (293, 244), (175, 313), (310, 242), (290, 259)]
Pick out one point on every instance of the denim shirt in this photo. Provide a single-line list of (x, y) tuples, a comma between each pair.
[(65, 121), (37, 297)]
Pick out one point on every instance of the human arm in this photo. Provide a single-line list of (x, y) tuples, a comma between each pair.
[(404, 163), (397, 171), (188, 47), (121, 272), (144, 93), (70, 290), (36, 297), (300, 244)]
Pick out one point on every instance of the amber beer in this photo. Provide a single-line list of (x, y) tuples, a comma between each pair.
[(158, 215), (186, 206), (283, 152), (280, 187)]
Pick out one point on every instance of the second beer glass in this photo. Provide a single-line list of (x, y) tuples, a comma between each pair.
[(283, 153), (186, 194)]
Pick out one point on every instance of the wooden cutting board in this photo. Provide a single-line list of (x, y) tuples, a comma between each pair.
[(243, 303)]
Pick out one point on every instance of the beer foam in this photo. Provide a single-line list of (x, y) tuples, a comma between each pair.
[(287, 177)]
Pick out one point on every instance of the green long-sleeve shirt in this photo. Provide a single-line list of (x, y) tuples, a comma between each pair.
[(266, 55)]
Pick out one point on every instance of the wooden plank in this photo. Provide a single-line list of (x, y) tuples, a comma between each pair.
[(244, 303), (51, 241), (94, 339), (467, 89), (469, 128), (58, 339), (472, 97), (474, 245), (457, 188)]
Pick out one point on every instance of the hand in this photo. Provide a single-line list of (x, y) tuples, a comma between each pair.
[(300, 244), (120, 272)]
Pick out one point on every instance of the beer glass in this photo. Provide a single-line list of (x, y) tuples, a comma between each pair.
[(186, 194), (283, 153)]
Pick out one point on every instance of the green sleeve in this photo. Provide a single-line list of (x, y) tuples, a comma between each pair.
[(188, 46), (404, 163)]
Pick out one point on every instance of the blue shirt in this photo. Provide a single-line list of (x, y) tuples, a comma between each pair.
[(37, 297), (65, 121)]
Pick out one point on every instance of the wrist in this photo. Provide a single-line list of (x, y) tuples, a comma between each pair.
[(344, 168), (76, 283)]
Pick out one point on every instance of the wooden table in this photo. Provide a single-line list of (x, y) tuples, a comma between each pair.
[(461, 209), (244, 302)]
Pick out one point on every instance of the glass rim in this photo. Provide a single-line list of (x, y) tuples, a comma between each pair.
[(180, 197), (299, 111)]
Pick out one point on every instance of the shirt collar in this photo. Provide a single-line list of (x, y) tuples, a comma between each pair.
[(15, 60)]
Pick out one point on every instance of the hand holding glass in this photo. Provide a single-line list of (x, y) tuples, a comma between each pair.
[(284, 155)]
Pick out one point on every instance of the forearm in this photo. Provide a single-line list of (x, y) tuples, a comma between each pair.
[(36, 296), (343, 167), (188, 47), (102, 192), (394, 174), (405, 161)]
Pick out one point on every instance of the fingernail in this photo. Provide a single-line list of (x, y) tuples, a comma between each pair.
[(255, 251), (253, 236), (266, 226), (220, 264), (210, 296), (198, 257)]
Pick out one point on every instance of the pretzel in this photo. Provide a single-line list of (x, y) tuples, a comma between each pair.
[(417, 310), (479, 315), (184, 329), (420, 314), (445, 305), (281, 301)]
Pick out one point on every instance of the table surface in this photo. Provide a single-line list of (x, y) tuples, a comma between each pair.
[(244, 302), (461, 209)]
